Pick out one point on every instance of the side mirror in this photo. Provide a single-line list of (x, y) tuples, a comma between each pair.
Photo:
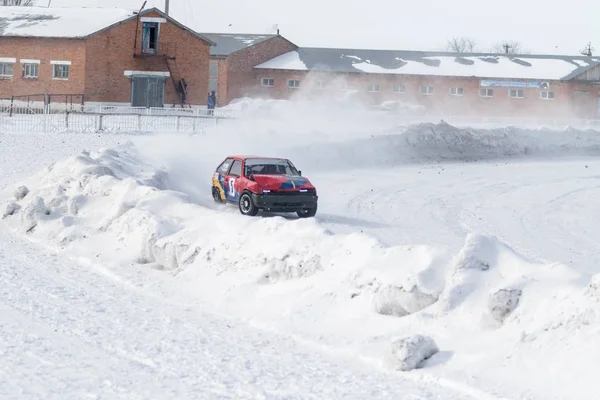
[(300, 173), (251, 177)]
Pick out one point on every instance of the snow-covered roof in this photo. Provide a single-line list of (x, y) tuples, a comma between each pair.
[(481, 65), (228, 43), (70, 22), (59, 22)]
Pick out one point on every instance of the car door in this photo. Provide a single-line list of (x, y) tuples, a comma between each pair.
[(233, 181), (220, 176)]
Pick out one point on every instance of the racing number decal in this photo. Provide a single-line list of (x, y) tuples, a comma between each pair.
[(232, 187)]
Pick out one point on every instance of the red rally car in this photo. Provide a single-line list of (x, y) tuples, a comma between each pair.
[(264, 183)]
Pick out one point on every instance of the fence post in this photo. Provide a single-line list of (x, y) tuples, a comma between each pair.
[(178, 122), (12, 102), (67, 119), (45, 114), (139, 118)]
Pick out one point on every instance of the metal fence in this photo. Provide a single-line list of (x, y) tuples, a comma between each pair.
[(36, 117), (26, 115)]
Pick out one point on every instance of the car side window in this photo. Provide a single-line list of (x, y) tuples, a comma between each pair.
[(223, 168), (236, 168)]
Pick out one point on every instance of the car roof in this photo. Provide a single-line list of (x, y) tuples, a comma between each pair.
[(247, 157)]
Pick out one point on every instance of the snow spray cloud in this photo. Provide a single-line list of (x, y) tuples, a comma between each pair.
[(266, 127)]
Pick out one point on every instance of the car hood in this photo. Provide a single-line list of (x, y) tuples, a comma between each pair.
[(282, 182)]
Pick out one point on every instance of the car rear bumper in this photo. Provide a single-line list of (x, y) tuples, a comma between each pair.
[(289, 202)]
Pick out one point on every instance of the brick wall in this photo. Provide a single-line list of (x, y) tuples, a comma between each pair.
[(110, 53), (44, 50), (566, 104), (240, 73), (221, 80)]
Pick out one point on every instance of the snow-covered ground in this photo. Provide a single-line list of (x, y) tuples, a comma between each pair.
[(482, 240)]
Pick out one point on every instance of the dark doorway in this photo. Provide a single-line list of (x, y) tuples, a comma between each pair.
[(148, 91)]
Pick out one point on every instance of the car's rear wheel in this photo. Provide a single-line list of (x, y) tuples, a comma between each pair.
[(216, 193), (307, 212), (247, 206)]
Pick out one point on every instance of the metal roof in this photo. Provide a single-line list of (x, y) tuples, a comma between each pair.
[(485, 65), (229, 43)]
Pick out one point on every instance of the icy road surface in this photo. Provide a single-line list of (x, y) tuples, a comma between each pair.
[(545, 209)]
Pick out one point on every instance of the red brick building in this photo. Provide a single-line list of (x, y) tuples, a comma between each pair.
[(115, 56), (233, 58), (106, 55), (440, 83)]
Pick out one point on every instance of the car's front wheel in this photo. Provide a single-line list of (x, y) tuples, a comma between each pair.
[(247, 206), (307, 212)]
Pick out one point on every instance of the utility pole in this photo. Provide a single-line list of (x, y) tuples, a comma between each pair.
[(506, 47), (167, 7), (588, 50)]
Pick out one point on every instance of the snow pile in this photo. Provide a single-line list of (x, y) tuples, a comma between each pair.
[(493, 284), (502, 302), (396, 301), (113, 201), (409, 353), (442, 142)]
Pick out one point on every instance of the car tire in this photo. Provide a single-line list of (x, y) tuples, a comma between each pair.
[(247, 206), (216, 194), (307, 212)]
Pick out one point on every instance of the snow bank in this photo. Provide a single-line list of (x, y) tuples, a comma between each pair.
[(495, 284), (445, 143), (113, 203), (397, 301)]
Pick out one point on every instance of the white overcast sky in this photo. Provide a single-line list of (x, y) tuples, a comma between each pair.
[(543, 27)]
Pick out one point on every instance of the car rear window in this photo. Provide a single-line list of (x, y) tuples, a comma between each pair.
[(223, 168)]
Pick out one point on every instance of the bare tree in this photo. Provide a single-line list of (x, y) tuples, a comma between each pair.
[(588, 51), (461, 45), (508, 47), (22, 3)]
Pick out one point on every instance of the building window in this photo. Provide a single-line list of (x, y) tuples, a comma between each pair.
[(516, 93), (150, 37), (457, 91), (427, 90), (6, 70), (60, 71), (320, 85), (30, 71), (373, 87), (484, 92), (547, 95), (293, 83), (267, 82), (398, 88)]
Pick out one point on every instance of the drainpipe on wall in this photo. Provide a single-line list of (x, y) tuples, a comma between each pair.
[(167, 7)]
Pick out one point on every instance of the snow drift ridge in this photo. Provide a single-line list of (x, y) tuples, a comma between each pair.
[(113, 207)]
